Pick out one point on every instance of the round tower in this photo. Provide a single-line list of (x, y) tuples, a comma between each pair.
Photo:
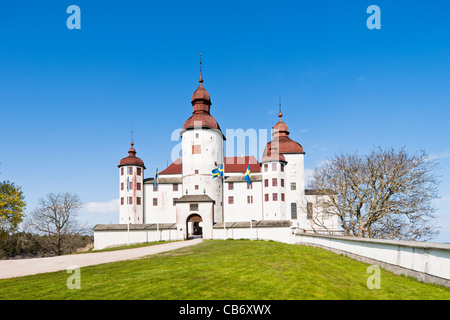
[(202, 151), (274, 184), (131, 188), (293, 154)]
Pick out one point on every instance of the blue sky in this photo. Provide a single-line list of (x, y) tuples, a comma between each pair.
[(69, 98)]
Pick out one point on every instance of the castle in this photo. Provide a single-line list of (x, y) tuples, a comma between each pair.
[(203, 193)]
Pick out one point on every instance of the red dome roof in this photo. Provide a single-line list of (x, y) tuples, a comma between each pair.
[(201, 93), (131, 160), (201, 120), (280, 127), (281, 140), (201, 102)]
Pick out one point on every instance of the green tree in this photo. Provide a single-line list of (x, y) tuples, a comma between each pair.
[(12, 206)]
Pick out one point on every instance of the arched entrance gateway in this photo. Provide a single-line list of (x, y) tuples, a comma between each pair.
[(194, 226)]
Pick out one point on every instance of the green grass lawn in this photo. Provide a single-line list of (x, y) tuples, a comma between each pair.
[(231, 269)]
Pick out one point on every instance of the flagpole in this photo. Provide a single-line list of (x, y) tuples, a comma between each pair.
[(223, 203), (128, 210), (157, 206)]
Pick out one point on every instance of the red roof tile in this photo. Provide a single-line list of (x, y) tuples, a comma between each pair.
[(240, 164), (174, 168), (232, 164)]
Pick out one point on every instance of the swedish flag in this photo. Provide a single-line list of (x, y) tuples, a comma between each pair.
[(155, 182), (218, 172), (247, 175)]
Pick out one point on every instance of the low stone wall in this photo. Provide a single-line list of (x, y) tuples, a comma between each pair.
[(113, 235), (428, 262), (276, 230)]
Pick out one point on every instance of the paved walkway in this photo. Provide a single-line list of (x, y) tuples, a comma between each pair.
[(23, 267)]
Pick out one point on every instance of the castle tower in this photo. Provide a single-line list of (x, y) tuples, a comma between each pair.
[(284, 150), (131, 188), (274, 184), (202, 152)]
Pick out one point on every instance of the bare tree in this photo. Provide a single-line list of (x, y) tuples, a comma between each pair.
[(56, 218), (385, 194)]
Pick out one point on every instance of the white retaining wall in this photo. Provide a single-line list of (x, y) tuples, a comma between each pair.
[(429, 262), (280, 234), (114, 238)]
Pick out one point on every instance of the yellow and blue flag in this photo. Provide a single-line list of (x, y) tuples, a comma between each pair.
[(247, 175), (218, 172), (128, 183), (155, 182)]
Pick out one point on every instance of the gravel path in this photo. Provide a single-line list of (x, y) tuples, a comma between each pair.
[(23, 267)]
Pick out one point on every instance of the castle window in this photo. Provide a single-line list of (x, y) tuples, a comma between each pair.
[(274, 166), (282, 197), (138, 171), (249, 186), (174, 203), (293, 210), (266, 167), (274, 182), (121, 186), (121, 171), (193, 207), (196, 187), (155, 202), (249, 199), (309, 210), (196, 135), (138, 201), (138, 186), (266, 183), (130, 185), (196, 148), (230, 200), (266, 197), (282, 182), (293, 186), (231, 186), (130, 170), (196, 171), (121, 201), (275, 196), (282, 167), (130, 200), (175, 187), (155, 188)]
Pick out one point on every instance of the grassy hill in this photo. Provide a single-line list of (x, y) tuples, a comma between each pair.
[(231, 269)]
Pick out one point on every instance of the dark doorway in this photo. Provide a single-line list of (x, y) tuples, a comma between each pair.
[(194, 226)]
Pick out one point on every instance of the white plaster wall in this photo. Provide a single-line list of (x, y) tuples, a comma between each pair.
[(165, 212), (280, 234), (274, 210), (133, 213), (211, 156), (241, 210), (205, 211), (106, 239), (432, 259)]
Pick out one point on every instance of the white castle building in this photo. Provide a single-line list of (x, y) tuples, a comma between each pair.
[(188, 201)]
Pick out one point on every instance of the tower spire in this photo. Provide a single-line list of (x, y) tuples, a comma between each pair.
[(280, 114), (201, 79)]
